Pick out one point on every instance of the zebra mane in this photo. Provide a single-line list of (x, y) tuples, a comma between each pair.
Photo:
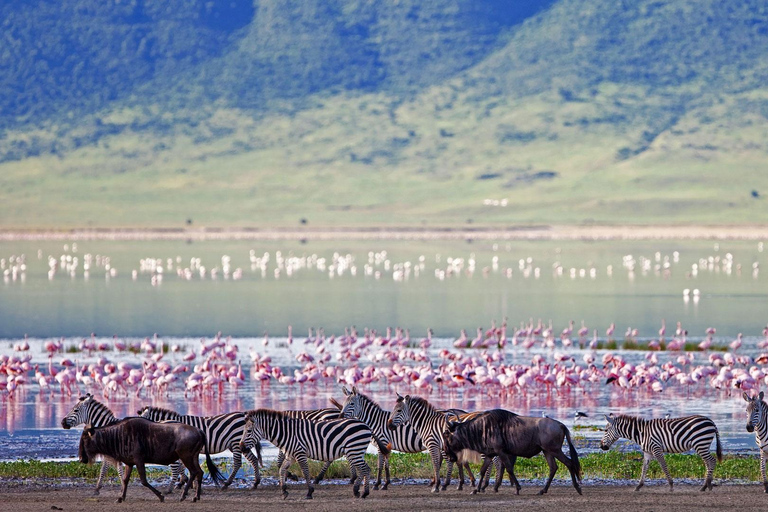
[(166, 412), (423, 403), (94, 404), (367, 399), (267, 413)]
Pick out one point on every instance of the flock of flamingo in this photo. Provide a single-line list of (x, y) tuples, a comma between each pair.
[(377, 264), (114, 367)]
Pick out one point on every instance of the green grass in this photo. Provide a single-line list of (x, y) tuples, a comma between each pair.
[(608, 465)]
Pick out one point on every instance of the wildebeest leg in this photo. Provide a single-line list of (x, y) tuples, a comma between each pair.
[(195, 476), (126, 477), (143, 477), (483, 469), (552, 463), (301, 458), (646, 460), (461, 476), (256, 470), (559, 455), (509, 463)]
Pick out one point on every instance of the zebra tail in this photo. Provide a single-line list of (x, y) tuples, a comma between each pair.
[(718, 446), (574, 455), (385, 449), (216, 475)]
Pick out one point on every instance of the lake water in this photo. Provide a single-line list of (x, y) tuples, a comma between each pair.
[(249, 290)]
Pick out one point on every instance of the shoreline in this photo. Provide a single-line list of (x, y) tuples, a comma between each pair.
[(528, 232)]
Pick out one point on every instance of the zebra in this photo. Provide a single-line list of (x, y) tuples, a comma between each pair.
[(403, 439), (313, 415), (86, 411), (429, 423), (673, 435), (301, 439), (757, 422), (223, 432)]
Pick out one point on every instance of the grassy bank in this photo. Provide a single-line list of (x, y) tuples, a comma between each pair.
[(610, 465)]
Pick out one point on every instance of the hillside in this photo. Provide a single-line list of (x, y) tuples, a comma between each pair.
[(360, 113)]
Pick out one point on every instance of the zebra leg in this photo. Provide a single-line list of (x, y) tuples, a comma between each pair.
[(386, 469), (143, 477), (659, 454), (287, 461), (762, 470), (552, 463), (237, 462), (483, 468), (304, 464), (711, 463), (102, 472), (256, 470), (499, 474), (280, 460), (378, 474), (448, 471), (175, 475), (646, 460), (437, 461), (321, 475), (364, 472), (126, 477)]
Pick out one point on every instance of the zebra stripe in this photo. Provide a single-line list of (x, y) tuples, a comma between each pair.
[(223, 432), (430, 424), (757, 422), (673, 435), (86, 411), (302, 439)]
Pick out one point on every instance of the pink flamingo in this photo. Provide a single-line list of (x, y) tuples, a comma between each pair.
[(736, 344)]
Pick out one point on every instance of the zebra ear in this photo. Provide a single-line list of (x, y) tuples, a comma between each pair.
[(609, 418), (761, 395), (746, 397), (354, 390), (399, 396), (345, 390)]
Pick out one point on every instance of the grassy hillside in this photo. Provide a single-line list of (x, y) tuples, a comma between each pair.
[(582, 112)]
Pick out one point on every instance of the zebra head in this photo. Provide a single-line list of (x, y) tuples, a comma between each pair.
[(401, 414), (80, 413), (611, 432), (755, 406), (253, 431), (353, 407)]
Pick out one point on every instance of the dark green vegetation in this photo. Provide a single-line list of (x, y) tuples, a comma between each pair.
[(610, 465), (355, 112)]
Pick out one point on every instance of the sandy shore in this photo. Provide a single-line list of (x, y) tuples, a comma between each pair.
[(538, 232), (338, 498)]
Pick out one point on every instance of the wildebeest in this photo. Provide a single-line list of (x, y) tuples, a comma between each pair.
[(138, 441), (504, 434)]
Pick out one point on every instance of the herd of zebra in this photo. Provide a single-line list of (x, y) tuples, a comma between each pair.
[(496, 437)]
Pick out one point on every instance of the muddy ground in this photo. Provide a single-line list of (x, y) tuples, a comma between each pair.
[(75, 497)]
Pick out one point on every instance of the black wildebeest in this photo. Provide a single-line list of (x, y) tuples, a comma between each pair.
[(504, 434), (138, 441)]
